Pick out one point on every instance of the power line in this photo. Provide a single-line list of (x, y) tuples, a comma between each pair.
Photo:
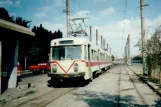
[(77, 5)]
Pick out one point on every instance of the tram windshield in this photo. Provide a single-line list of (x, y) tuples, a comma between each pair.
[(66, 52)]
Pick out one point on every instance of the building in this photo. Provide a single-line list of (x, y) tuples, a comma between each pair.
[(10, 35)]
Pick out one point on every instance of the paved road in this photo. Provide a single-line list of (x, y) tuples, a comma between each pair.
[(117, 87)]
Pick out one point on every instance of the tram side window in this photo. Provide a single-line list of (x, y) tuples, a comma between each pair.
[(85, 52), (95, 55), (92, 53), (106, 57), (100, 56)]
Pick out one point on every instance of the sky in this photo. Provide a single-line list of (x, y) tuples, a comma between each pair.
[(105, 15)]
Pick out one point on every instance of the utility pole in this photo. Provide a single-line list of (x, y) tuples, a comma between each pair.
[(126, 54), (67, 16), (129, 59), (91, 33), (107, 47), (143, 33), (101, 41), (96, 36), (104, 44), (110, 51)]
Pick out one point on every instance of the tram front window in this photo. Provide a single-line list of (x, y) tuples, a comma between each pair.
[(66, 52)]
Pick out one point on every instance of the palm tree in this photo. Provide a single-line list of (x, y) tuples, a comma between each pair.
[(22, 22)]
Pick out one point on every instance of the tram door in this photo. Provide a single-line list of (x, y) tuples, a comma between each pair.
[(98, 58), (89, 61)]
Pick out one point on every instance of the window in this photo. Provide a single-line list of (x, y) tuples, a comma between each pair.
[(95, 55), (85, 52), (66, 52), (92, 54)]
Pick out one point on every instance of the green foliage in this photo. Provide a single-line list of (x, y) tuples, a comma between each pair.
[(152, 50), (137, 58), (3, 101), (4, 15), (22, 22), (154, 80), (30, 92), (160, 86)]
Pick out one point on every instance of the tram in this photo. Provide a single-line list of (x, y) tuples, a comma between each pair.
[(77, 57)]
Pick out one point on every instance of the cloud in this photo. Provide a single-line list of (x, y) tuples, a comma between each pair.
[(99, 1), (12, 14), (46, 8), (10, 3), (83, 13), (17, 3), (54, 27), (107, 11), (39, 15), (113, 33), (6, 2), (57, 3)]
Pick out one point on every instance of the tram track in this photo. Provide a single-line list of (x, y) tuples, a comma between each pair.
[(46, 98), (118, 86), (139, 94), (54, 94), (118, 97)]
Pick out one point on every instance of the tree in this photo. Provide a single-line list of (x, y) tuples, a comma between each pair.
[(137, 58), (4, 15), (22, 22), (152, 50)]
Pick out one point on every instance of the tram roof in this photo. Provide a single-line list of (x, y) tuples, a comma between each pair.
[(77, 41)]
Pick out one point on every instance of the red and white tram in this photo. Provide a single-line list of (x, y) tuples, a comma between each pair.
[(77, 57)]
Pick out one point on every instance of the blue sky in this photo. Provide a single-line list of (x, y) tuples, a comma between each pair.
[(105, 15)]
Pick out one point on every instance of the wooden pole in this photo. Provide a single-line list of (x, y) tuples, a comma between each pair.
[(91, 33), (96, 36)]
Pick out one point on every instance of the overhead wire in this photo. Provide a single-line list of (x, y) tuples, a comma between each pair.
[(73, 11)]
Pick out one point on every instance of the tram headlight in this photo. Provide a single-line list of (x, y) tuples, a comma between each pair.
[(75, 67), (54, 68)]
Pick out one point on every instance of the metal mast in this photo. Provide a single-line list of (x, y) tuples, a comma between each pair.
[(67, 16)]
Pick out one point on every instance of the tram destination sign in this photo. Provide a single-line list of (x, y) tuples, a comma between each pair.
[(66, 42)]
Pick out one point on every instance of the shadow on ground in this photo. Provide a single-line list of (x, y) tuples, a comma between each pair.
[(31, 75), (68, 83), (71, 82), (95, 99)]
